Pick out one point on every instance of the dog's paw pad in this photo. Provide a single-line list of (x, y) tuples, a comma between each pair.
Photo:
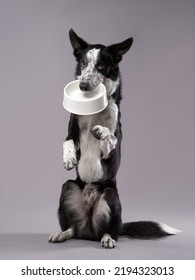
[(100, 132), (108, 242)]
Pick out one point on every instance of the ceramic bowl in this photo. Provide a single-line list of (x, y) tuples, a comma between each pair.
[(84, 103)]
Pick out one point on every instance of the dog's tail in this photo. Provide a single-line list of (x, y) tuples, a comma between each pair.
[(147, 230)]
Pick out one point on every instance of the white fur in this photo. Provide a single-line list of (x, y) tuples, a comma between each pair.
[(168, 229), (109, 116), (61, 236), (107, 241), (107, 140), (69, 154), (89, 166), (102, 131), (107, 145), (111, 85)]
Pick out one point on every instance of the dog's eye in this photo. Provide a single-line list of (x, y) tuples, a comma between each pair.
[(83, 63), (100, 66)]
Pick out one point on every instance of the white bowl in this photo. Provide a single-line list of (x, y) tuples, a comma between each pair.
[(84, 103)]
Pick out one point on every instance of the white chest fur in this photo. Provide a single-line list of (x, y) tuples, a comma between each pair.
[(89, 166)]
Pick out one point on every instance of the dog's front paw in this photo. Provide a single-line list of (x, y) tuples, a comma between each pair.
[(69, 155), (100, 132), (107, 241)]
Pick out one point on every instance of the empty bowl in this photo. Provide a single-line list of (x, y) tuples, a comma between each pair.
[(84, 103)]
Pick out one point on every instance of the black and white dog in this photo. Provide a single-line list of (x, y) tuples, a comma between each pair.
[(89, 206)]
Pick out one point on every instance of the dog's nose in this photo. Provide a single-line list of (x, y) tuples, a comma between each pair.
[(84, 86)]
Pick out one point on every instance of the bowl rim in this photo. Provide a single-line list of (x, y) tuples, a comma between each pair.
[(88, 99), (99, 97)]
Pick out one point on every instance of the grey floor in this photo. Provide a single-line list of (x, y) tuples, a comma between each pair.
[(35, 246)]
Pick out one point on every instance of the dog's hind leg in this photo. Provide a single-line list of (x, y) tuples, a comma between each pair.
[(70, 207), (107, 215), (61, 236)]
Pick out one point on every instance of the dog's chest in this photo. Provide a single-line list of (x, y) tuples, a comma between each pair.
[(89, 166), (107, 118)]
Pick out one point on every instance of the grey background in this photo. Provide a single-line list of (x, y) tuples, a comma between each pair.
[(157, 174)]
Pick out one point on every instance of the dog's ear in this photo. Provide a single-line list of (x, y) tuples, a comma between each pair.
[(77, 43), (118, 50)]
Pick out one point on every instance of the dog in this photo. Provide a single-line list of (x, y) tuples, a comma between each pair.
[(89, 206)]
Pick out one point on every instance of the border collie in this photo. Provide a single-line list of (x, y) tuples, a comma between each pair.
[(89, 206)]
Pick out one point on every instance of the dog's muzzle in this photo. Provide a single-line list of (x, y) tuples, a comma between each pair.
[(85, 86)]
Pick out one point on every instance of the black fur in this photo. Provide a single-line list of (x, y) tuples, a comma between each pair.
[(92, 209)]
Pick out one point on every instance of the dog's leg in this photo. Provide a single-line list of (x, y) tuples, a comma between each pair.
[(102, 217), (61, 236), (71, 145), (69, 154), (107, 140), (107, 215), (107, 241), (114, 228), (70, 211)]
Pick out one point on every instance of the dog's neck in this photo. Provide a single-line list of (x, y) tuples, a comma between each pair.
[(111, 86)]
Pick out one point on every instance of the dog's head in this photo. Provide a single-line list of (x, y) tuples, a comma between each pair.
[(97, 62)]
